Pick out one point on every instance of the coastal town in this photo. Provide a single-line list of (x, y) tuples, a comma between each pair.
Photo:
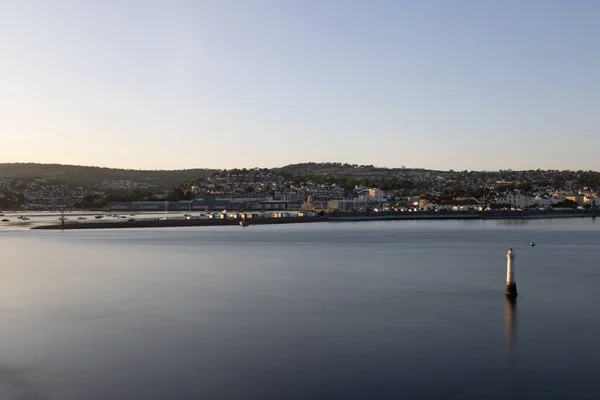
[(329, 187)]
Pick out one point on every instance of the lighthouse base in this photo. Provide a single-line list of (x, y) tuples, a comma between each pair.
[(511, 289)]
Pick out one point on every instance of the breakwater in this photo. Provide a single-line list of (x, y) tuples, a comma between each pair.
[(153, 223), (331, 217)]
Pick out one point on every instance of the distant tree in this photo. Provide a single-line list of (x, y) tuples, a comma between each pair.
[(178, 194), (350, 183), (526, 186)]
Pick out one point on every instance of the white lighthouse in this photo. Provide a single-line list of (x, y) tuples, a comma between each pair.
[(511, 285)]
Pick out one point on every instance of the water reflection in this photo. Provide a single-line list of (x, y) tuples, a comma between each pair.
[(513, 222), (510, 326)]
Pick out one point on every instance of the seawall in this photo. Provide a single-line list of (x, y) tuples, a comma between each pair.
[(333, 217), (470, 215), (152, 223)]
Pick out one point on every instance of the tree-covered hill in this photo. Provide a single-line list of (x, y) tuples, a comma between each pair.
[(89, 176)]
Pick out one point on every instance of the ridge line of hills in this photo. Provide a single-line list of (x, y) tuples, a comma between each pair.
[(78, 175), (12, 170)]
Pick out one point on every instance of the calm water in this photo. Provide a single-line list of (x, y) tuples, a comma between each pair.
[(398, 310)]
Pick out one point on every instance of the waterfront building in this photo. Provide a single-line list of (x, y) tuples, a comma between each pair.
[(344, 205), (449, 204), (516, 199), (272, 205), (577, 198), (544, 200)]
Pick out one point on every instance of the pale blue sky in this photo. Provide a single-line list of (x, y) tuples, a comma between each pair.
[(177, 84)]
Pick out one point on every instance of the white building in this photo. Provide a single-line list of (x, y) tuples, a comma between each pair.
[(516, 199), (543, 200)]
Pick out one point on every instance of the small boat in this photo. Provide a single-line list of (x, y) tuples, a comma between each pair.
[(99, 216), (25, 219), (81, 218), (131, 219), (244, 223), (6, 220), (122, 217), (532, 244)]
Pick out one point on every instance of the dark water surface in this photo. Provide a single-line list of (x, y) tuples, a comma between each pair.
[(369, 310)]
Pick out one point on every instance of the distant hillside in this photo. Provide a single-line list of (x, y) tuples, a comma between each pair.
[(332, 167), (89, 176)]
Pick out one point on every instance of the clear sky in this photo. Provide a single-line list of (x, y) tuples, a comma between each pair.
[(480, 84)]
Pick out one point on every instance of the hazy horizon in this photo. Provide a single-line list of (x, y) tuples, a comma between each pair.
[(425, 168), (425, 84)]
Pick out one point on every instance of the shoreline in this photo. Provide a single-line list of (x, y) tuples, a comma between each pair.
[(334, 217)]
